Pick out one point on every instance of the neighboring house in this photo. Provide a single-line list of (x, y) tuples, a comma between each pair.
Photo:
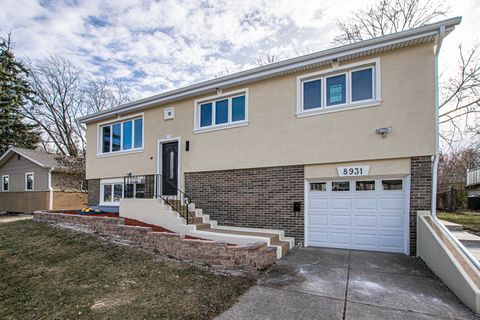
[(473, 186), (334, 147), (34, 180)]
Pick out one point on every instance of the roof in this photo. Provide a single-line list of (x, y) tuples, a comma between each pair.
[(43, 159), (426, 33)]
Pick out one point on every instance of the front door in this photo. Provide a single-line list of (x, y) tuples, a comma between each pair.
[(169, 168)]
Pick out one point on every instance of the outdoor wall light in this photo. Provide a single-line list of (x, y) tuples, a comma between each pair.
[(383, 131), (187, 145)]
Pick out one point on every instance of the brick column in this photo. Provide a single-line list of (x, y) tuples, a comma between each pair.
[(420, 193), (93, 186)]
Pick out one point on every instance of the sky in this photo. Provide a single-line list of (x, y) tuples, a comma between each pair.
[(156, 46)]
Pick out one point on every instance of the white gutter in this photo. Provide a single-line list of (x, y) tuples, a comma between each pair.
[(467, 253), (50, 206)]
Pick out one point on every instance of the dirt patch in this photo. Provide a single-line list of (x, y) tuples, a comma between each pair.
[(111, 302)]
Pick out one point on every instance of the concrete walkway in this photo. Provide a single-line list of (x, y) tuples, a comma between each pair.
[(313, 283)]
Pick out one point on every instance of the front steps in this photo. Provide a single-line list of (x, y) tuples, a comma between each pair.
[(469, 240), (157, 212)]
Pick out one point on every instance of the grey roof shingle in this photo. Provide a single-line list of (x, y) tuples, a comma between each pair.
[(44, 159)]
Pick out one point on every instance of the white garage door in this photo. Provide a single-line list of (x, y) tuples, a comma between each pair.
[(364, 214)]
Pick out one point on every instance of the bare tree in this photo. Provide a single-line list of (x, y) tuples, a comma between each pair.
[(267, 59), (388, 16), (453, 167), (64, 93), (460, 93)]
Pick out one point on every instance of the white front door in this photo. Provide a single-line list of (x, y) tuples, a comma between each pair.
[(364, 214)]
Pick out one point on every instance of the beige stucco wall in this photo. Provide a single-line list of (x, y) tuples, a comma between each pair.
[(275, 136)]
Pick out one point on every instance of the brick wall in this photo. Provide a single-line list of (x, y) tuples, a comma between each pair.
[(93, 186), (248, 258), (420, 193), (258, 198)]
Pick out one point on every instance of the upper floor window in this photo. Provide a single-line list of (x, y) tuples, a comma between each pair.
[(6, 183), (351, 86), (221, 111), (29, 181), (121, 136)]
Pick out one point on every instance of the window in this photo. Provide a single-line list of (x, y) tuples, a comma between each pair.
[(221, 112), (312, 94), (341, 186), (6, 183), (318, 186), (392, 184), (336, 91), (365, 185), (111, 193), (29, 181), (122, 136), (355, 85)]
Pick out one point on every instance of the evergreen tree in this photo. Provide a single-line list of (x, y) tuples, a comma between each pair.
[(15, 92)]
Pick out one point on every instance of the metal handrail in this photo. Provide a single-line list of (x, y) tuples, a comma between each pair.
[(179, 202)]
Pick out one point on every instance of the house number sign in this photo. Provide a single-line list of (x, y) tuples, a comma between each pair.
[(353, 171)]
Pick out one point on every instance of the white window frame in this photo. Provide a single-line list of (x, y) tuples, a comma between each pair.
[(335, 71), (212, 99), (33, 181), (3, 177), (120, 121), (111, 182)]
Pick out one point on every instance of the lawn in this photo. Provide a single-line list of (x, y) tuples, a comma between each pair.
[(49, 273), (469, 221)]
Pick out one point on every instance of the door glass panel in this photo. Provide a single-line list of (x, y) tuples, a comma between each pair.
[(341, 186), (172, 159), (107, 193), (117, 192), (318, 186), (392, 184), (365, 185)]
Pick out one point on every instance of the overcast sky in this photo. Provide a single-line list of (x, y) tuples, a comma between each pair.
[(154, 46)]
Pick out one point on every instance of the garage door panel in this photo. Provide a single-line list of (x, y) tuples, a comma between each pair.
[(365, 204), (364, 220), (391, 203), (342, 204), (391, 221), (318, 220), (340, 238)]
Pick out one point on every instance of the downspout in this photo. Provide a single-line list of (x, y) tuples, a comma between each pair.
[(50, 206), (473, 260), (439, 41)]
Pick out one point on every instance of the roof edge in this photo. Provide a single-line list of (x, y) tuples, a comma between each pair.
[(270, 69)]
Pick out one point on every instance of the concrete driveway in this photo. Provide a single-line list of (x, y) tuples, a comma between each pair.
[(314, 283)]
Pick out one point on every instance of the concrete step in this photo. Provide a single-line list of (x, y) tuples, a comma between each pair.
[(274, 239), (467, 238), (202, 226), (452, 226), (474, 250)]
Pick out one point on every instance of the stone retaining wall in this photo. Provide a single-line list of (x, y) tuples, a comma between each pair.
[(249, 258)]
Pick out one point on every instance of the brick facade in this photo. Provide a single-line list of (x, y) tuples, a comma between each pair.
[(221, 256), (93, 192), (256, 198), (420, 193)]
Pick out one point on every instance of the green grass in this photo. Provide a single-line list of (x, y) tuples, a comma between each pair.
[(469, 221), (49, 273)]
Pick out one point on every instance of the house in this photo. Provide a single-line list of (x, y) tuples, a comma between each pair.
[(333, 148), (473, 187), (34, 180)]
